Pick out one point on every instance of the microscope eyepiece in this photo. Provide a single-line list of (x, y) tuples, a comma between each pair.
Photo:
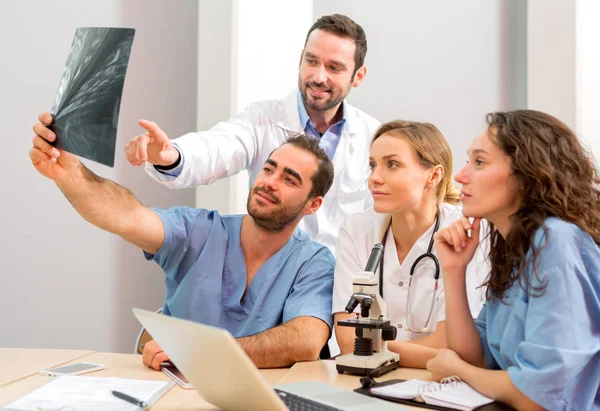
[(374, 258)]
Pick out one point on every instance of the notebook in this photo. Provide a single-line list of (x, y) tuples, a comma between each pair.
[(83, 393), (451, 393)]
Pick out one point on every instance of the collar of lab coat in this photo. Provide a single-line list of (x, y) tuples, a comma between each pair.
[(291, 118)]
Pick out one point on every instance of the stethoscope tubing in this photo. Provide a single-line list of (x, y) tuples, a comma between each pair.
[(428, 254)]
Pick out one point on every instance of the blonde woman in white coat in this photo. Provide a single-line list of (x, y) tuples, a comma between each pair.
[(413, 194)]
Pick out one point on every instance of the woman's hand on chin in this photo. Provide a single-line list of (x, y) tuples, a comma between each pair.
[(455, 248)]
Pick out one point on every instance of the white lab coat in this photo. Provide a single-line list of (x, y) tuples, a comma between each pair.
[(357, 236), (245, 142)]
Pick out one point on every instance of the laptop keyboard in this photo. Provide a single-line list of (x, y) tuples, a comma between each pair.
[(296, 403)]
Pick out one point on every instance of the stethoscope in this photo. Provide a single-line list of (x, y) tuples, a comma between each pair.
[(428, 254)]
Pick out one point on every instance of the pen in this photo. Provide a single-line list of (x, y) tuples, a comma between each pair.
[(130, 399)]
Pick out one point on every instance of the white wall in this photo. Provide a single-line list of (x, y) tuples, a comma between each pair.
[(215, 91), (563, 60), (448, 63), (268, 41), (588, 73), (551, 58), (256, 58), (63, 282)]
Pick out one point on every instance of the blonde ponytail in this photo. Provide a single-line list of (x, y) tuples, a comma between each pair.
[(386, 225), (452, 194)]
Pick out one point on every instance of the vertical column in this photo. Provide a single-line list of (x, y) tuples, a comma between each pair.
[(588, 74), (551, 58), (215, 42), (563, 60), (267, 43), (248, 51)]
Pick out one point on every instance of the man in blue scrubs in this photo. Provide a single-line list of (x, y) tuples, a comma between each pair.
[(255, 275)]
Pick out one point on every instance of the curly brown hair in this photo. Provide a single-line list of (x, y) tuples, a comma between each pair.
[(557, 178)]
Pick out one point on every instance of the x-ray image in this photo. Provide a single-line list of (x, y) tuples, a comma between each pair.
[(86, 107)]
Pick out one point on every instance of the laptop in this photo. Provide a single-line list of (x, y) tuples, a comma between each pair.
[(224, 375)]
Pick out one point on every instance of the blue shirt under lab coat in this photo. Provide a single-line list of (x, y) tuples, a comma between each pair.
[(328, 140), (206, 275), (550, 344)]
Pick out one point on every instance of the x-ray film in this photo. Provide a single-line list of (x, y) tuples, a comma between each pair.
[(86, 107)]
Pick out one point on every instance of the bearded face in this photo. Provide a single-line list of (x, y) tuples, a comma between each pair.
[(269, 212)]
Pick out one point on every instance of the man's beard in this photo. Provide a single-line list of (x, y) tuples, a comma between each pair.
[(277, 220), (322, 105)]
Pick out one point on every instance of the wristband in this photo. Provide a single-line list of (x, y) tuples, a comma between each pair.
[(172, 166)]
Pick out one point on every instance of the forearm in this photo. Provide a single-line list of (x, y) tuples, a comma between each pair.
[(233, 147), (462, 335), (435, 340), (415, 353), (344, 335), (99, 201), (495, 384), (412, 355), (300, 339)]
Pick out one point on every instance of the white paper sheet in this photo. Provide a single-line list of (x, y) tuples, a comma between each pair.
[(83, 393), (458, 395), (407, 389)]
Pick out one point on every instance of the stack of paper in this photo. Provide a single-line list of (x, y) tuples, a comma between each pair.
[(89, 393)]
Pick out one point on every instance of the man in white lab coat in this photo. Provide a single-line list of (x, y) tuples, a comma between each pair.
[(332, 63)]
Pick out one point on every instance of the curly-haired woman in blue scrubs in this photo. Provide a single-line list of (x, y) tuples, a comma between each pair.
[(536, 342)]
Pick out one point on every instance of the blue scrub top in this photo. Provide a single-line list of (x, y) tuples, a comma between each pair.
[(205, 271), (550, 344)]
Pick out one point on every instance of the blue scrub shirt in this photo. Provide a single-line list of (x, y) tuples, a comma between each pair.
[(206, 275), (550, 344)]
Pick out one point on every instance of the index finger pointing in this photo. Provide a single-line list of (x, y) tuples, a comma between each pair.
[(154, 130)]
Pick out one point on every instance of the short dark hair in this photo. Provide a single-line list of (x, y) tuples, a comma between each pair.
[(344, 26), (322, 179)]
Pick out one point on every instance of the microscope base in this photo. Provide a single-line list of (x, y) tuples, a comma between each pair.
[(372, 365), (367, 371)]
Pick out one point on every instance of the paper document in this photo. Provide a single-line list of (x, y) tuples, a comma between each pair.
[(407, 389), (90, 393), (458, 395)]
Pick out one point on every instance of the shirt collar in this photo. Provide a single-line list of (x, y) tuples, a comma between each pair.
[(305, 120)]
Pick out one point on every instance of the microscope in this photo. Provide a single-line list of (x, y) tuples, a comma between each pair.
[(371, 356)]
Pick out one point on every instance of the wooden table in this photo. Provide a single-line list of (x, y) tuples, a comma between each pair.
[(324, 371), (18, 363), (27, 364)]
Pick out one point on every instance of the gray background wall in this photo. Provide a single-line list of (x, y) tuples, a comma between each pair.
[(447, 63), (63, 282)]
